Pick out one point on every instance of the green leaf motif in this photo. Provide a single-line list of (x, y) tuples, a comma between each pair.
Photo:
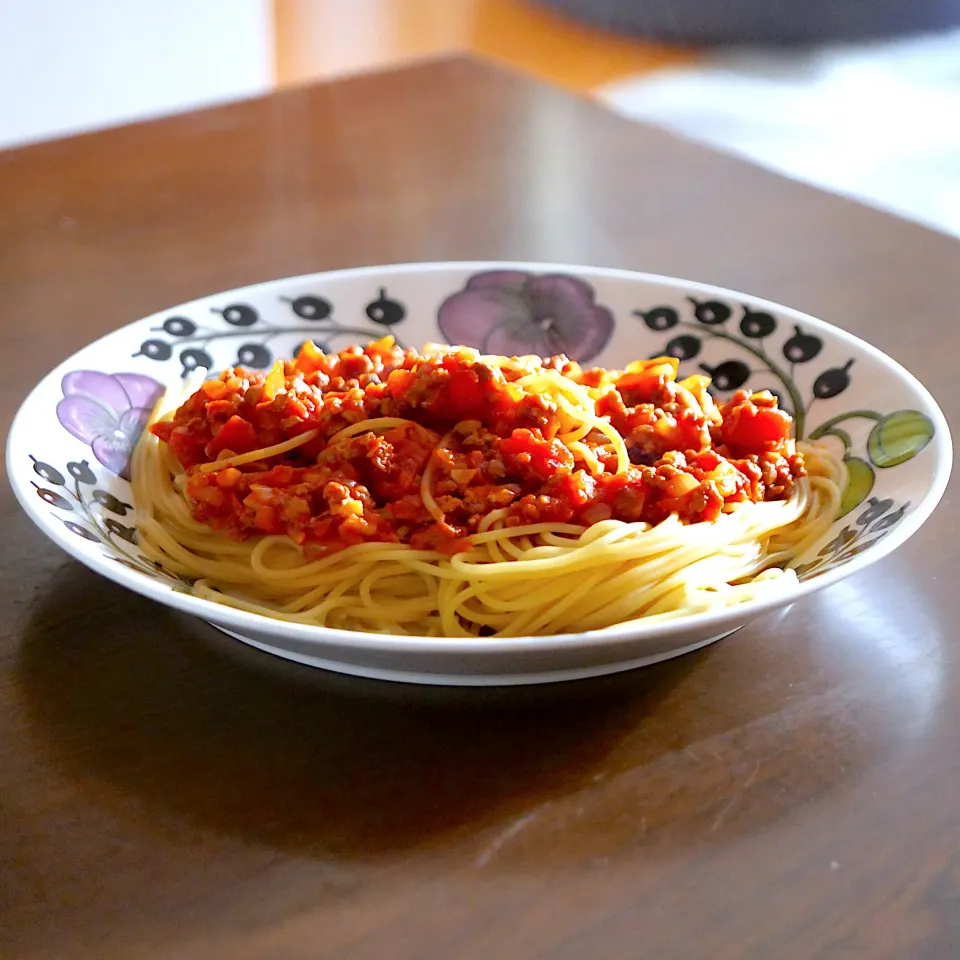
[(899, 437), (860, 478)]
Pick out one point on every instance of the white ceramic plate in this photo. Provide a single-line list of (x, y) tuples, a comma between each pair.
[(69, 446)]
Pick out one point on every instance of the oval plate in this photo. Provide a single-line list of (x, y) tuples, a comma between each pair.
[(69, 447)]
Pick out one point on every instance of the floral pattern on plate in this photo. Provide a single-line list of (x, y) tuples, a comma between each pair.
[(754, 361), (188, 340), (108, 413), (511, 312), (91, 513), (503, 311)]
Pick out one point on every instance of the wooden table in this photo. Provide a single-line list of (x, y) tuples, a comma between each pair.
[(791, 793)]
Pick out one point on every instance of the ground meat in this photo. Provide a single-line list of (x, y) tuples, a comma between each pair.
[(486, 441)]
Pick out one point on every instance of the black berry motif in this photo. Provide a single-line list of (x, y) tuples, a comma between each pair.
[(683, 347), (386, 311), (757, 324), (238, 314), (254, 355), (843, 539), (90, 523), (871, 526), (192, 358), (893, 439), (243, 320), (732, 374), (659, 318), (48, 473), (81, 531), (109, 502), (802, 347), (155, 350), (127, 533), (179, 326), (81, 472), (53, 498), (729, 375), (311, 308), (710, 312), (885, 523), (875, 509), (832, 382)]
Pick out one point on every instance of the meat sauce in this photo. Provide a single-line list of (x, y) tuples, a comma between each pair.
[(493, 444)]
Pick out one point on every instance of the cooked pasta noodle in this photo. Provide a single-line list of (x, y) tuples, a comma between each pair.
[(411, 558)]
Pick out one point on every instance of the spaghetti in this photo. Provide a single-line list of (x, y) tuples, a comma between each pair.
[(446, 493)]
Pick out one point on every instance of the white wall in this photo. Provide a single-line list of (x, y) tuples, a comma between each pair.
[(72, 65)]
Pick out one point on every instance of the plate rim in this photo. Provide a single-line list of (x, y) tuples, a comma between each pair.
[(447, 678), (245, 621)]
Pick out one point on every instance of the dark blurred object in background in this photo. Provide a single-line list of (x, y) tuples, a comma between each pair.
[(762, 21)]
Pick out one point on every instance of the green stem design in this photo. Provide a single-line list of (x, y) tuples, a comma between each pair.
[(95, 522), (93, 519), (76, 496), (796, 400), (842, 435), (828, 425), (206, 338), (104, 532), (87, 513)]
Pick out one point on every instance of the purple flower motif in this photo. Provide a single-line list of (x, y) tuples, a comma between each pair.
[(108, 412), (511, 312)]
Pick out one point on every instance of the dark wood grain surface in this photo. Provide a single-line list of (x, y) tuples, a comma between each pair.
[(793, 792)]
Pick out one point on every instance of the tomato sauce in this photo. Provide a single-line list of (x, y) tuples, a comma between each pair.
[(491, 443)]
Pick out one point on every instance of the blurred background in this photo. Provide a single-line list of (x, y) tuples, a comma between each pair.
[(857, 96)]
